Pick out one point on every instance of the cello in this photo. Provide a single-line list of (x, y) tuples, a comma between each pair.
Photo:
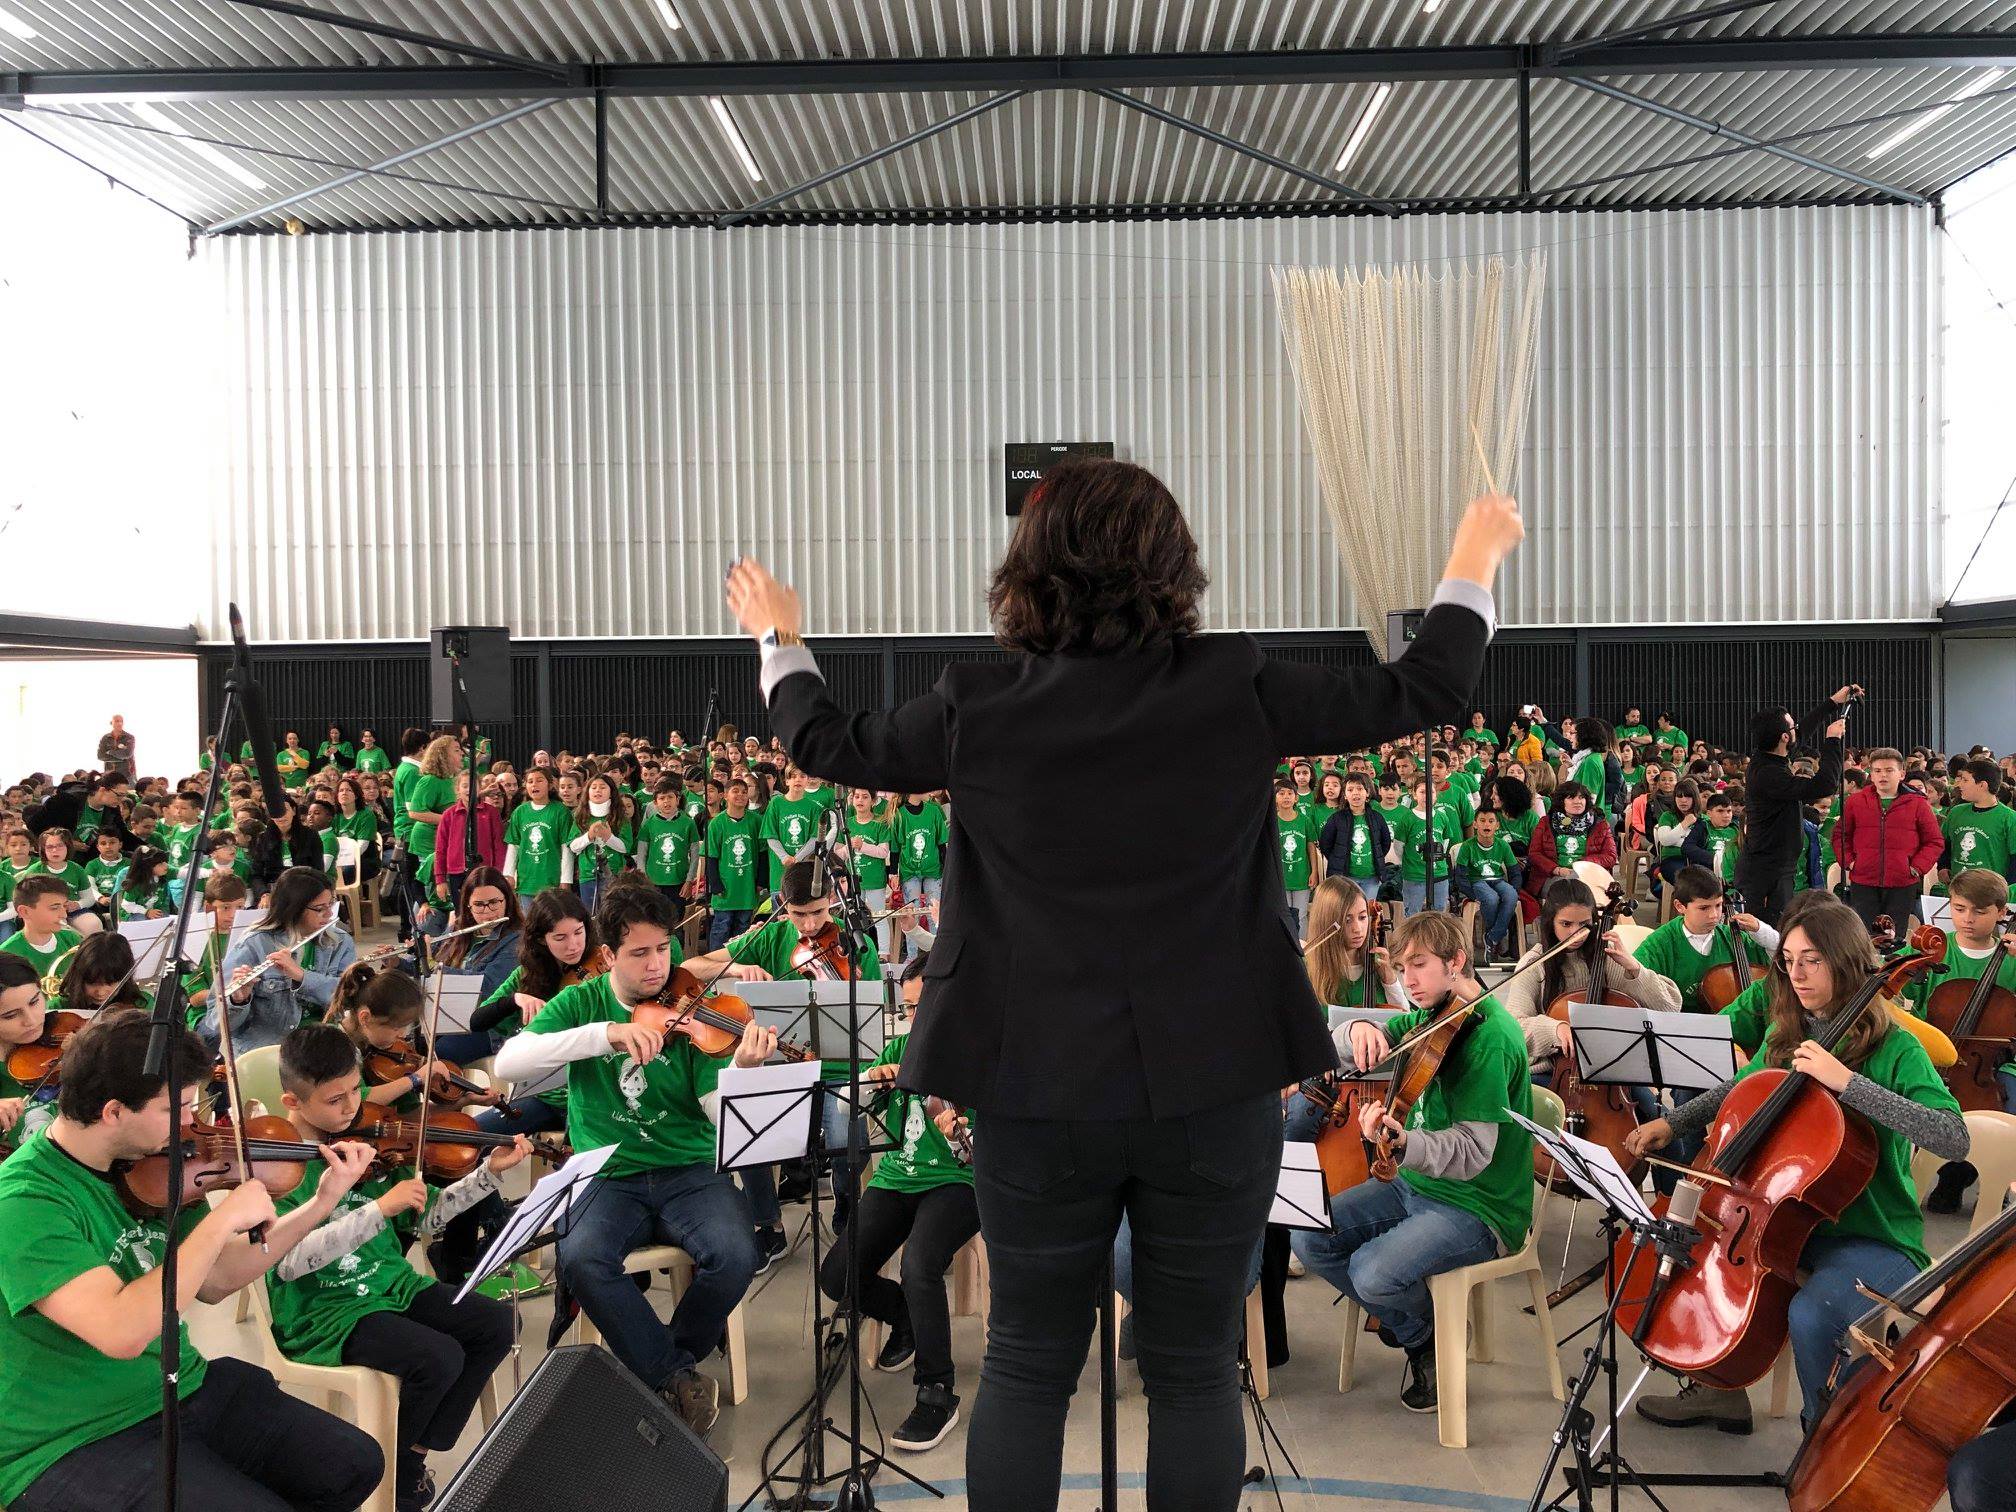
[(1725, 981), (1782, 1156), (1600, 1114), (1980, 1018), (1883, 1443)]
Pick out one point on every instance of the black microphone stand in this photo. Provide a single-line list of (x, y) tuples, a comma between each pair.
[(170, 1015)]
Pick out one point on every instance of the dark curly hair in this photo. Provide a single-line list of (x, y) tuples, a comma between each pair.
[(1101, 562)]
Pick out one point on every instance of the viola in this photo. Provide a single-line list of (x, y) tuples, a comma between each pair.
[(1782, 1156), (1340, 1146), (448, 1086), (1422, 1057), (35, 1063), (961, 1138), (455, 1141), (274, 1152), (714, 1025), (1601, 1114), (1725, 981), (1980, 1018), (1884, 1440)]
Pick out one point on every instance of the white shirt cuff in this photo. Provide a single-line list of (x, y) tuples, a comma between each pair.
[(780, 662), (1468, 595)]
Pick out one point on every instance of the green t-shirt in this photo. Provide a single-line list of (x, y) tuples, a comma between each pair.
[(1391, 815), (1670, 819), (177, 840), (1961, 967), (430, 795), (1296, 838), (770, 946), (1363, 863), (1480, 863), (511, 1023), (1485, 736), (873, 870), (64, 941), (373, 759), (666, 847), (1749, 1015), (733, 845), (1320, 814), (293, 766), (791, 823), (58, 1221), (71, 873), (1482, 1080), (1448, 835), (403, 777), (924, 1160), (1666, 950), (1674, 739), (1590, 773), (921, 839), (1724, 840), (342, 753), (539, 834), (1887, 1208), (1632, 732), (651, 1113), (1977, 837), (313, 1314), (361, 826), (105, 875), (89, 822), (1519, 827)]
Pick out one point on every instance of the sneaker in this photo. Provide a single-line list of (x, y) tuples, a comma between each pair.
[(934, 1416), (1417, 1386), (1954, 1179), (1698, 1406), (899, 1348), (418, 1496), (1125, 1338), (770, 1243), (695, 1397), (1296, 1269)]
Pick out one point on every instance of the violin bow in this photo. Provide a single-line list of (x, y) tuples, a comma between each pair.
[(427, 1072), (236, 1105)]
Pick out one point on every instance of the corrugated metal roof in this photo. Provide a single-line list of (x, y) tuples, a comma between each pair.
[(1054, 150)]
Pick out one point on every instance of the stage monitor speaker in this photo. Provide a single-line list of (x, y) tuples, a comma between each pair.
[(1029, 460), (585, 1432), (486, 673)]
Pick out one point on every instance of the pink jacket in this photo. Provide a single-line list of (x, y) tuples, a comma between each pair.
[(448, 840)]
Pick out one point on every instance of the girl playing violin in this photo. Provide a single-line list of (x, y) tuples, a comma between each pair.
[(22, 1014), (557, 949), (1882, 1073), (345, 1295), (379, 1010), (100, 976), (1465, 1187)]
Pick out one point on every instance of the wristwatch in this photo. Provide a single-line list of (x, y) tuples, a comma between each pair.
[(772, 638)]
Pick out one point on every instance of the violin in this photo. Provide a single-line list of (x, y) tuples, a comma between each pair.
[(1424, 1052), (274, 1152), (1725, 981), (1782, 1156), (714, 1025), (34, 1064), (820, 957), (1883, 1442), (1340, 1147), (961, 1138), (448, 1086), (1980, 1018), (455, 1141), (1601, 1114)]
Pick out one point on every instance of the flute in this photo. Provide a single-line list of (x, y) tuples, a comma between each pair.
[(267, 965)]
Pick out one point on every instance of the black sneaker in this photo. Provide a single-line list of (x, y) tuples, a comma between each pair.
[(695, 1397), (899, 1348), (1417, 1387), (770, 1243), (934, 1416), (418, 1495), (1954, 1179)]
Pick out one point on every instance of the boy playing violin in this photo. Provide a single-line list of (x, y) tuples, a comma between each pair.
[(1979, 900), (80, 1328), (1465, 1189), (345, 1295)]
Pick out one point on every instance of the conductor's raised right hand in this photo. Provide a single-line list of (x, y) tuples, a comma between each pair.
[(1487, 534)]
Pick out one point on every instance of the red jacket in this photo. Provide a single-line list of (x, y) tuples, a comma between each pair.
[(1542, 858), (1896, 847), (449, 839)]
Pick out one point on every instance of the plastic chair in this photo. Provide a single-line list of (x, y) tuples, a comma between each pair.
[(1992, 1152), (678, 1266), (1598, 877), (259, 1078), (1631, 935), (1465, 1305)]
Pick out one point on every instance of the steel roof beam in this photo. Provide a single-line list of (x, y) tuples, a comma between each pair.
[(559, 71), (1126, 71)]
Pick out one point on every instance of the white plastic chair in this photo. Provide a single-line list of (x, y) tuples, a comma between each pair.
[(678, 1265), (1465, 1307), (1630, 935), (1992, 1153)]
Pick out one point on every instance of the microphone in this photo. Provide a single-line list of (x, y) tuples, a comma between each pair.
[(820, 841), (252, 717)]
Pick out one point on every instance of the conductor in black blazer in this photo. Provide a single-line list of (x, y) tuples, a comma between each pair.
[(1116, 986)]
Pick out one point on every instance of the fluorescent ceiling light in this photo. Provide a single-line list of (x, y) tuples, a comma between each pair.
[(204, 150), (1380, 95), (1918, 123), (734, 134), (670, 16), (14, 26)]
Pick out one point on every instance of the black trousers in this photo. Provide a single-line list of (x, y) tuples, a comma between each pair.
[(930, 1228), (442, 1352), (1196, 1191), (1766, 892), (246, 1445), (1900, 903), (1981, 1476)]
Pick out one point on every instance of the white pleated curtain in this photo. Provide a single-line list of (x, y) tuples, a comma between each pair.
[(1394, 368)]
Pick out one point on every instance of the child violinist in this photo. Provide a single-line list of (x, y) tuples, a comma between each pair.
[(345, 1295), (1881, 1072), (23, 1011), (1979, 900), (1464, 1191)]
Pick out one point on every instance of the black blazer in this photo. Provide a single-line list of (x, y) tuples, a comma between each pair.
[(1116, 941)]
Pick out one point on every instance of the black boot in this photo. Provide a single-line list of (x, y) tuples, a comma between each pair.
[(1417, 1387), (899, 1348)]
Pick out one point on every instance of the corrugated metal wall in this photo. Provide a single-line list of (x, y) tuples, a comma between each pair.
[(568, 433)]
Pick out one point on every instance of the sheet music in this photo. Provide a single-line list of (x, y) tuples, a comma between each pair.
[(1642, 1047), (789, 1008), (150, 939), (766, 1114), (549, 1202), (1590, 1167), (248, 921), (461, 994)]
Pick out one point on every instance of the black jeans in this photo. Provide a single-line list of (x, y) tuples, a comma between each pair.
[(1196, 1191), (246, 1445), (1900, 903), (1981, 1476), (441, 1353), (930, 1228), (1767, 895)]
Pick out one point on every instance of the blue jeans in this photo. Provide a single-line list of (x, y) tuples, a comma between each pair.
[(1414, 897), (694, 1207), (591, 889), (528, 1115), (466, 1045), (1499, 903), (725, 924), (1298, 905), (1389, 1240), (1828, 1303)]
